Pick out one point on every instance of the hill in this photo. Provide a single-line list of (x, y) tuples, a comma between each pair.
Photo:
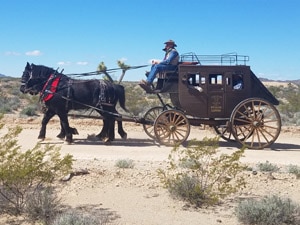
[(278, 82)]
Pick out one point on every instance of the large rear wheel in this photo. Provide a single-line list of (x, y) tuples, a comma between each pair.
[(255, 123), (171, 127)]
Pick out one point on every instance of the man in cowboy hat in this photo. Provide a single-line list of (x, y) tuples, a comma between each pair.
[(169, 63)]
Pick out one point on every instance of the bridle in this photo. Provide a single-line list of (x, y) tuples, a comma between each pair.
[(28, 77)]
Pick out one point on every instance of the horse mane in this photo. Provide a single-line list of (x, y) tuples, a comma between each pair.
[(41, 70)]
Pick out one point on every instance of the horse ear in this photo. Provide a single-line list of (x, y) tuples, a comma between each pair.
[(27, 65)]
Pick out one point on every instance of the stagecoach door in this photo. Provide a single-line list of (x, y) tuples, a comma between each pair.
[(215, 95)]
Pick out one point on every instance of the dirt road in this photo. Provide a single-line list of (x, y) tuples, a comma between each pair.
[(136, 196)]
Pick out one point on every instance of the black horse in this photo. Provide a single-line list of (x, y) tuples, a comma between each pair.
[(60, 94)]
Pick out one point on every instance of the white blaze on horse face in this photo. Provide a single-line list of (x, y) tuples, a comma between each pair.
[(30, 75)]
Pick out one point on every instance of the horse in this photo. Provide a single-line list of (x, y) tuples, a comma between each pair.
[(60, 94)]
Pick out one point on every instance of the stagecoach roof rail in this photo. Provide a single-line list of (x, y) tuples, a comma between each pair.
[(224, 59)]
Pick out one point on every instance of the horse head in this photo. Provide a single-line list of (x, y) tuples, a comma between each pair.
[(34, 78)]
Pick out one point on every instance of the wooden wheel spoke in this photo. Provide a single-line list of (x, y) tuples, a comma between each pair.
[(248, 120)]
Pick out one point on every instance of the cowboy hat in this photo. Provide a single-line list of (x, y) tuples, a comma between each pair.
[(171, 42)]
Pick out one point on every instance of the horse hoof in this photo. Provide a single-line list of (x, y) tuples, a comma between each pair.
[(68, 142), (60, 137), (100, 137), (106, 141), (75, 131), (124, 137)]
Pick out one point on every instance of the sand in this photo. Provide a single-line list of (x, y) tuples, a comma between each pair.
[(136, 196)]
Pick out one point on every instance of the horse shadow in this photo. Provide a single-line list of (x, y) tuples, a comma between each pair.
[(130, 142)]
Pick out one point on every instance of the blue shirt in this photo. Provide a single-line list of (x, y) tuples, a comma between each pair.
[(171, 57)]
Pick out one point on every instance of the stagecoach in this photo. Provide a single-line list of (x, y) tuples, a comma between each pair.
[(220, 91), (216, 90)]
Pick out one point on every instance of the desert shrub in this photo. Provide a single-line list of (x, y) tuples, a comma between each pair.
[(23, 172), (8, 103), (124, 163), (30, 110), (76, 218), (138, 102), (200, 175), (267, 167), (268, 211), (42, 205), (294, 169)]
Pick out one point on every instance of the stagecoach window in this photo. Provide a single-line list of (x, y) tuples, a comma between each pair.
[(237, 82), (215, 78), (196, 79), (202, 80)]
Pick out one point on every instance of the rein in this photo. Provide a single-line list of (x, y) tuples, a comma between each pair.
[(101, 72)]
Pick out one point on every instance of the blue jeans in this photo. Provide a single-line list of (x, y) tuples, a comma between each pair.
[(157, 68)]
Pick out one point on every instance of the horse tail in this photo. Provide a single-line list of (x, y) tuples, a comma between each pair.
[(121, 94)]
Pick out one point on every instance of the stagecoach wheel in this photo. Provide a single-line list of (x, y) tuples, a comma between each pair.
[(151, 116), (224, 131), (171, 127), (255, 123)]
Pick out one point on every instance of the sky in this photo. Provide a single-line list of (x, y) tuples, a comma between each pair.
[(76, 35)]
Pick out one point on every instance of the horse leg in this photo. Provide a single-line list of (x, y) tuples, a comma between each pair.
[(104, 132), (65, 126), (62, 133), (121, 131), (47, 116), (111, 129)]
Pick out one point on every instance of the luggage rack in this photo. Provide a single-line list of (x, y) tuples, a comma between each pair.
[(232, 59)]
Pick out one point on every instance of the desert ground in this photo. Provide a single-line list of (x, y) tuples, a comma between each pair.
[(136, 196)]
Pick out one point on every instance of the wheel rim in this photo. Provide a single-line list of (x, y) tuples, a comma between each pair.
[(255, 123), (151, 115), (171, 127)]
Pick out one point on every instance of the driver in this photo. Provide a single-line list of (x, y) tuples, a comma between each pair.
[(169, 63)]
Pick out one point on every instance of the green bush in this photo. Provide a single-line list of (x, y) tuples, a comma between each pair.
[(30, 110), (42, 205), (294, 169), (200, 175), (23, 172), (268, 211), (75, 218), (267, 167), (124, 163)]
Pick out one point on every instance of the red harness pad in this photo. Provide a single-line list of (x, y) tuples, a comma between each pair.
[(50, 88)]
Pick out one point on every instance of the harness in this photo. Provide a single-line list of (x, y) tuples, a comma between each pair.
[(50, 87), (106, 94)]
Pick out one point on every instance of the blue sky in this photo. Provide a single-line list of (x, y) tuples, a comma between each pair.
[(76, 35)]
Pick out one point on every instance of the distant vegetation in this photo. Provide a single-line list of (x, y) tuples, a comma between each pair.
[(138, 102)]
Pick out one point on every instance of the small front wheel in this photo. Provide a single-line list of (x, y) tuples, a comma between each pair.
[(151, 116), (171, 127)]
